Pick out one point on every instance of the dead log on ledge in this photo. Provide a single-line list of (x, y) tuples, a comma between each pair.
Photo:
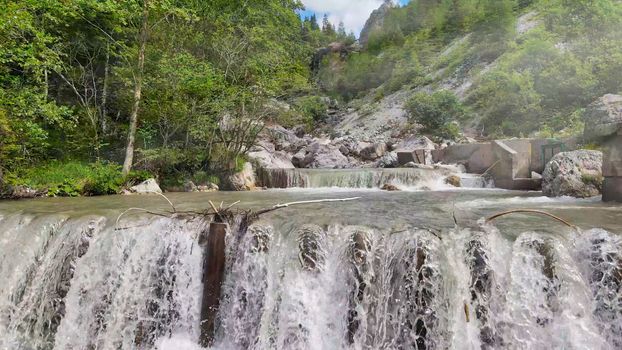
[(213, 276)]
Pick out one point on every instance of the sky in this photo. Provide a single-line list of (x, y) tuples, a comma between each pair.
[(353, 13)]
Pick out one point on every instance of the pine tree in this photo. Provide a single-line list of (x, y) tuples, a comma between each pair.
[(327, 27), (341, 32), (313, 20)]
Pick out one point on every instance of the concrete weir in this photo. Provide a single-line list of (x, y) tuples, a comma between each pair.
[(612, 169), (510, 162)]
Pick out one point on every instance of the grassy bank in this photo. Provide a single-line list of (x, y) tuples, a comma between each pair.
[(73, 178)]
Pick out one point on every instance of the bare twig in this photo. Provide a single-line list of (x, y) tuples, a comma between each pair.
[(213, 206), (426, 229), (285, 205), (490, 168), (168, 200), (531, 211), (453, 213), (222, 213), (232, 204), (139, 209)]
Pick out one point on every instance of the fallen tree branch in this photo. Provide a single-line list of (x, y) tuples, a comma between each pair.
[(285, 205), (139, 209), (224, 212), (490, 168), (168, 200), (531, 211)]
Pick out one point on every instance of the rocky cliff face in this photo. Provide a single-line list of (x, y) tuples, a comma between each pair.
[(375, 20)]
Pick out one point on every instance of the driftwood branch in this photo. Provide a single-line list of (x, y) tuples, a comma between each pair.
[(285, 205), (531, 211), (139, 209), (168, 200), (490, 168), (222, 212)]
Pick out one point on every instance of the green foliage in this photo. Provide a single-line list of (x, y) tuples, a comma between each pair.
[(360, 73), (593, 180), (508, 103), (204, 178), (171, 162), (312, 107), (438, 113), (104, 179), (70, 179)]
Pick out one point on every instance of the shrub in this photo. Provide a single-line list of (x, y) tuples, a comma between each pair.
[(508, 103), (313, 107), (437, 113), (70, 179), (594, 180), (203, 178), (103, 179)]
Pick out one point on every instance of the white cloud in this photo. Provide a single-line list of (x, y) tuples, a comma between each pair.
[(353, 13)]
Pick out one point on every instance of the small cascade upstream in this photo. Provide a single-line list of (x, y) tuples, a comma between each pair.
[(407, 178), (79, 283)]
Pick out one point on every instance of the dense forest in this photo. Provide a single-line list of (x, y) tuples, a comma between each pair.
[(95, 94), (156, 85)]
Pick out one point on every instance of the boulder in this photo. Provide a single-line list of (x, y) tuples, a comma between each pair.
[(453, 180), (415, 142), (390, 188), (243, 180), (189, 186), (373, 151), (271, 160), (576, 174), (319, 155), (389, 160), (603, 117), (148, 186), (299, 158), (210, 187), (299, 131), (23, 192), (350, 147), (344, 150)]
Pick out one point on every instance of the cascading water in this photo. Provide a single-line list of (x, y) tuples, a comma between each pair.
[(407, 178), (307, 282)]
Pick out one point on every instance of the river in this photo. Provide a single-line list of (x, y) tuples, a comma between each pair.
[(390, 270)]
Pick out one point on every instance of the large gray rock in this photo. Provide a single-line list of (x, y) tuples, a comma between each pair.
[(148, 186), (319, 155), (284, 139), (271, 160), (373, 151), (389, 160), (603, 117), (576, 174), (244, 180), (415, 142)]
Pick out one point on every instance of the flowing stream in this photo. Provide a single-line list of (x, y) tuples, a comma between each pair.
[(403, 178), (387, 271)]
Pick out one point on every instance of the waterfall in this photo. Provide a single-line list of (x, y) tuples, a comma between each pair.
[(419, 179), (82, 282)]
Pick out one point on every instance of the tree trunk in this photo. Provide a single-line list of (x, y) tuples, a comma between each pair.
[(104, 107), (129, 151)]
